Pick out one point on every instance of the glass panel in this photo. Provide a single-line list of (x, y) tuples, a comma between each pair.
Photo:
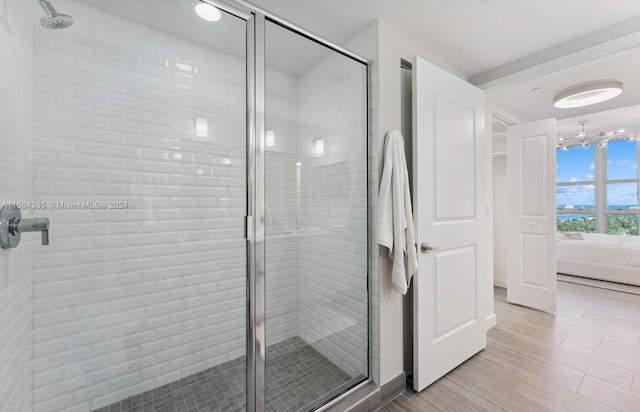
[(621, 160), (316, 222), (575, 164), (622, 196), (622, 225), (576, 223), (576, 197), (140, 304)]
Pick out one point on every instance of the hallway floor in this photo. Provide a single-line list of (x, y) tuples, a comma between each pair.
[(586, 358)]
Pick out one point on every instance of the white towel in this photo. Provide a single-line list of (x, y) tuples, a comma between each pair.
[(395, 218)]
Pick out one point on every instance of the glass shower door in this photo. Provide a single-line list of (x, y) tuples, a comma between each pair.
[(315, 222), (139, 302)]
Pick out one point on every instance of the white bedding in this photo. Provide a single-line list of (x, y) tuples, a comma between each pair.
[(600, 248)]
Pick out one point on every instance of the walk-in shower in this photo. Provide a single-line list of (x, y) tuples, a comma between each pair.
[(205, 183)]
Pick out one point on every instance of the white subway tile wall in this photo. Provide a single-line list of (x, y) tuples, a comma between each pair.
[(319, 198), (282, 212), (16, 184), (333, 311), (129, 299)]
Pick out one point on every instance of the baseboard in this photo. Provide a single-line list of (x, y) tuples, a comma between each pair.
[(369, 398), (365, 398), (500, 283), (492, 321), (369, 403), (393, 388)]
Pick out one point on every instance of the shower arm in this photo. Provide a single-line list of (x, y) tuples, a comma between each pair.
[(48, 8)]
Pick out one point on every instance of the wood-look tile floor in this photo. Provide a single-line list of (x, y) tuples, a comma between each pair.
[(586, 358)]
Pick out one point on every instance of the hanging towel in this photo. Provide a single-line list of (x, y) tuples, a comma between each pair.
[(395, 218)]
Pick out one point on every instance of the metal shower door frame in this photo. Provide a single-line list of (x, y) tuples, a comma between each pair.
[(255, 219), (255, 223)]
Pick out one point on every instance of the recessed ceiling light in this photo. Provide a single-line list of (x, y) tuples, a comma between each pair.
[(536, 89), (588, 93), (208, 12)]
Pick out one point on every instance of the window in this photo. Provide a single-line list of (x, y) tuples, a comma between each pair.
[(622, 188), (576, 223), (622, 225), (622, 161), (597, 189), (622, 196), (576, 190), (576, 197), (576, 164)]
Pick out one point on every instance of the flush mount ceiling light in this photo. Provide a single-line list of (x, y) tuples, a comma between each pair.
[(587, 93), (208, 12)]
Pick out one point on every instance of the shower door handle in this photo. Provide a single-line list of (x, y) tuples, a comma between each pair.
[(12, 225)]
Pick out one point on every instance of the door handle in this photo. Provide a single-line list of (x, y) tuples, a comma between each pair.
[(425, 247)]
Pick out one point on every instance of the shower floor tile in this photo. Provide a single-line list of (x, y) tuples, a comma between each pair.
[(297, 375)]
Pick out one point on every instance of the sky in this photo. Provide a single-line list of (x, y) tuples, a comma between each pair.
[(577, 165)]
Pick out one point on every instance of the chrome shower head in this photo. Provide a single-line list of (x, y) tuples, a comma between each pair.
[(53, 20)]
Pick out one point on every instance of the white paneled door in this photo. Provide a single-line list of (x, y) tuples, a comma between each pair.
[(448, 190), (531, 263)]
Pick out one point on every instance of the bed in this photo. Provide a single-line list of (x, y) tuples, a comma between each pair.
[(599, 256)]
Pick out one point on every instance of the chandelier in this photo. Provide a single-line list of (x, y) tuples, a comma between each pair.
[(581, 138)]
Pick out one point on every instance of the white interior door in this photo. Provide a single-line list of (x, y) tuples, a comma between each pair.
[(448, 189), (531, 263)]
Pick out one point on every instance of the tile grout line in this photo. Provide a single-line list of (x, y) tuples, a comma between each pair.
[(475, 387), (581, 380)]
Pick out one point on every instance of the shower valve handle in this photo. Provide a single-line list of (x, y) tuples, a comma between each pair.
[(12, 225), (33, 225)]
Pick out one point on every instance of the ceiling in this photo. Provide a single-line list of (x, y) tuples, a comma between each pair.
[(533, 99), (175, 17), (286, 53), (477, 37), (473, 36), (627, 117)]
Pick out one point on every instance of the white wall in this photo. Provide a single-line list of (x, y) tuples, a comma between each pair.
[(16, 184), (500, 211)]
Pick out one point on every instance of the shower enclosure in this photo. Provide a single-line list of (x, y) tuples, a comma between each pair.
[(206, 188)]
